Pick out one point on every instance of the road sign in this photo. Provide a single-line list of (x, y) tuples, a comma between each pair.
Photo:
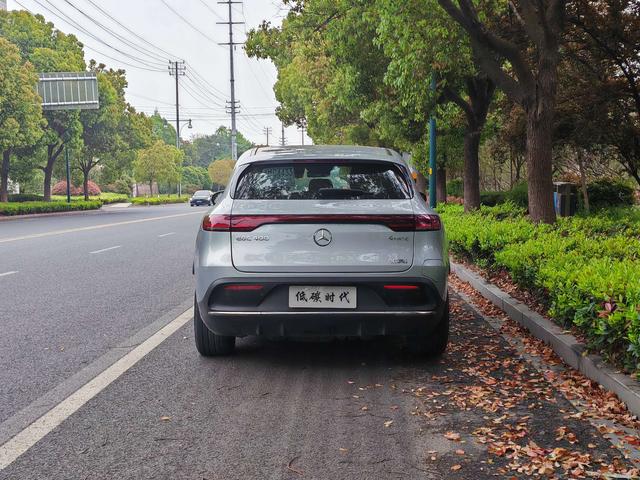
[(68, 91)]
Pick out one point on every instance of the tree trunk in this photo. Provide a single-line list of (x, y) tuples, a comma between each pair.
[(151, 188), (421, 183), (85, 184), (539, 165), (441, 184), (471, 176), (4, 176), (583, 179), (52, 156)]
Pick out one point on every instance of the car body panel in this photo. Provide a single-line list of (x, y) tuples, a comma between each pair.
[(290, 257)]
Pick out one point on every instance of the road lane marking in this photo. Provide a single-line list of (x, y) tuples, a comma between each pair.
[(94, 227), (28, 437), (105, 249), (166, 234), (6, 274)]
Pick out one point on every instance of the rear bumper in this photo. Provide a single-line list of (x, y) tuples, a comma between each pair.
[(272, 317)]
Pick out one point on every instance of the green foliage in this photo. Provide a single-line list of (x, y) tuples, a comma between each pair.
[(158, 200), (455, 188), (25, 208), (586, 269), (491, 199), (204, 149), (158, 163), (220, 172), (25, 197), (519, 194), (606, 193), (195, 178)]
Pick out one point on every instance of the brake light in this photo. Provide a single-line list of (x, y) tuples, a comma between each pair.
[(427, 223), (216, 223), (248, 223), (401, 287)]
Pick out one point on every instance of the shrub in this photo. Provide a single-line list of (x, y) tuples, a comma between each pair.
[(60, 188), (161, 200), (25, 208), (585, 268), (491, 199), (519, 194), (455, 188), (25, 197), (609, 193)]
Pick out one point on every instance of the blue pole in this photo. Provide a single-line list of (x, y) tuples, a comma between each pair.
[(432, 152)]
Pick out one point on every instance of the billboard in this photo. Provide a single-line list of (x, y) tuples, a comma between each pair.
[(68, 91)]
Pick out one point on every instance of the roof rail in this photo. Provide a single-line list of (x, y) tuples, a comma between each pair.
[(255, 152)]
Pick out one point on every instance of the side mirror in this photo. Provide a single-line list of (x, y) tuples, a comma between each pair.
[(215, 196)]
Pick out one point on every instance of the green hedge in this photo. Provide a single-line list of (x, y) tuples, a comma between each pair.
[(161, 200), (586, 268), (25, 197), (24, 208)]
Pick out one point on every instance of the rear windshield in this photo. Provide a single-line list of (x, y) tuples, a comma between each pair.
[(202, 192), (323, 180)]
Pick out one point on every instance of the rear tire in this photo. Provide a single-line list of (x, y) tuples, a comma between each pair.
[(208, 343), (435, 344)]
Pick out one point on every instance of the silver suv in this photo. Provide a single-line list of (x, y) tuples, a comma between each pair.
[(321, 241)]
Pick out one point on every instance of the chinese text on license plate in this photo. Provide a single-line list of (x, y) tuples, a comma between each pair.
[(322, 297)]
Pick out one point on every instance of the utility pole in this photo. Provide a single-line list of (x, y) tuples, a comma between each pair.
[(267, 131), (233, 105), (302, 129), (433, 200), (283, 139), (178, 69)]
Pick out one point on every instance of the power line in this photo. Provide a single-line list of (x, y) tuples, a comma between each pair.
[(177, 14), (146, 65), (108, 15), (153, 56)]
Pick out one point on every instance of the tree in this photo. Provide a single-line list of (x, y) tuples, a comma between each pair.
[(20, 112), (602, 53), (422, 41), (220, 171), (158, 163), (524, 65), (204, 149), (196, 178), (162, 129), (49, 50), (101, 133)]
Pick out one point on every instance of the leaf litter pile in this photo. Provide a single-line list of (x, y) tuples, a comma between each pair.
[(530, 425)]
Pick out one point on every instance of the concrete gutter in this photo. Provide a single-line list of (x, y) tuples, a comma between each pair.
[(565, 345)]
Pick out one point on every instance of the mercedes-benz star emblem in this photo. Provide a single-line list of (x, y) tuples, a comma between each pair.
[(322, 237)]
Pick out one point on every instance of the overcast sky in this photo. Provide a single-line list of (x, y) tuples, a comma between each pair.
[(190, 33)]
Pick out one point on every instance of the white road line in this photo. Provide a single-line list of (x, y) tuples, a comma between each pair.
[(6, 274), (106, 249), (27, 438), (94, 227), (166, 234)]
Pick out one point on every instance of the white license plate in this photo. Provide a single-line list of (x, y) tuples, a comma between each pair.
[(323, 297)]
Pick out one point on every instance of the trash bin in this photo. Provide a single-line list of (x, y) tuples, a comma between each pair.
[(565, 198)]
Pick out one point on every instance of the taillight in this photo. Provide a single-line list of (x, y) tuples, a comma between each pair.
[(248, 223), (217, 223), (427, 223)]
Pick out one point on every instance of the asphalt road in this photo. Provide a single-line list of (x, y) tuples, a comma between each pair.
[(275, 410)]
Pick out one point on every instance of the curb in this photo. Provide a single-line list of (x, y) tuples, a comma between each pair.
[(566, 346)]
